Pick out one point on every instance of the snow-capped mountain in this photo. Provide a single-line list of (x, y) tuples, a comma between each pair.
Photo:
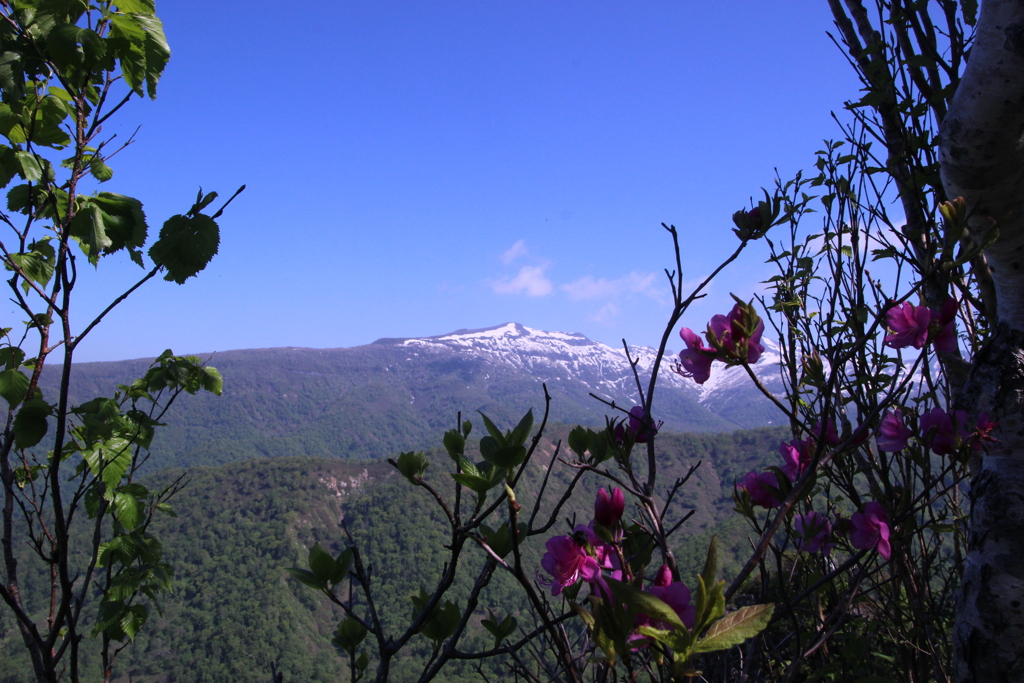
[(392, 395), (560, 356)]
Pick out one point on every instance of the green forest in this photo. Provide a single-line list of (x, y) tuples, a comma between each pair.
[(236, 615)]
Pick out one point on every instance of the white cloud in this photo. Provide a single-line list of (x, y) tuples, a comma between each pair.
[(516, 251), (530, 281), (588, 287)]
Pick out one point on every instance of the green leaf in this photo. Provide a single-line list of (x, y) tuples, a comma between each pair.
[(127, 509), (500, 629), (99, 170), (28, 165), (736, 627), (349, 635), (88, 227), (321, 563), (13, 386), (63, 44), (157, 51), (116, 456), (138, 41), (341, 565), (493, 430), (454, 443), (123, 218), (12, 76), (711, 563), (185, 246), (212, 381), (522, 430), (443, 622), (506, 457), (578, 441), (37, 264), (642, 602), (30, 423), (135, 6), (307, 577), (11, 357), (412, 465)]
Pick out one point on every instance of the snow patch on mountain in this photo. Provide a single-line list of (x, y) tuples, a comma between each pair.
[(558, 355)]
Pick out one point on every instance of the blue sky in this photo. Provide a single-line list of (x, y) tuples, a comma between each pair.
[(418, 167)]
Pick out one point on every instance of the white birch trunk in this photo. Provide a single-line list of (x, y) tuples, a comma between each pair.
[(982, 158)]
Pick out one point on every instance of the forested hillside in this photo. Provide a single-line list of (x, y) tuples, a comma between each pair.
[(235, 615), (376, 400)]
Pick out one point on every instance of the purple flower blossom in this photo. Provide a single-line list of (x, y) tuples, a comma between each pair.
[(674, 594), (608, 509), (940, 433), (892, 433), (797, 456), (870, 529), (944, 322), (696, 360), (831, 435), (757, 485), (730, 331), (908, 326), (812, 531), (636, 425), (567, 561)]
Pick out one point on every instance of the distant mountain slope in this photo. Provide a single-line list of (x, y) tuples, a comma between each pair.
[(235, 615), (398, 394)]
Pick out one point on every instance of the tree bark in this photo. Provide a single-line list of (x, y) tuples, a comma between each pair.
[(982, 160)]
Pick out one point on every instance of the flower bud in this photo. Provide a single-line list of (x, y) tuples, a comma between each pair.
[(608, 509)]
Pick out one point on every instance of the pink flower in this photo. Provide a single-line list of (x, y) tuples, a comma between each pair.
[(636, 425), (983, 432), (831, 435), (870, 529), (812, 530), (908, 326), (568, 562), (763, 488), (797, 456), (731, 333), (696, 360), (674, 594), (892, 433), (944, 324), (939, 432), (608, 509)]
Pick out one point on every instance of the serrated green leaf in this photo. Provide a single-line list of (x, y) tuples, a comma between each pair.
[(135, 6), (127, 509), (62, 43), (212, 381), (13, 386), (185, 246), (30, 423), (99, 170), (735, 628), (37, 264), (28, 166)]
